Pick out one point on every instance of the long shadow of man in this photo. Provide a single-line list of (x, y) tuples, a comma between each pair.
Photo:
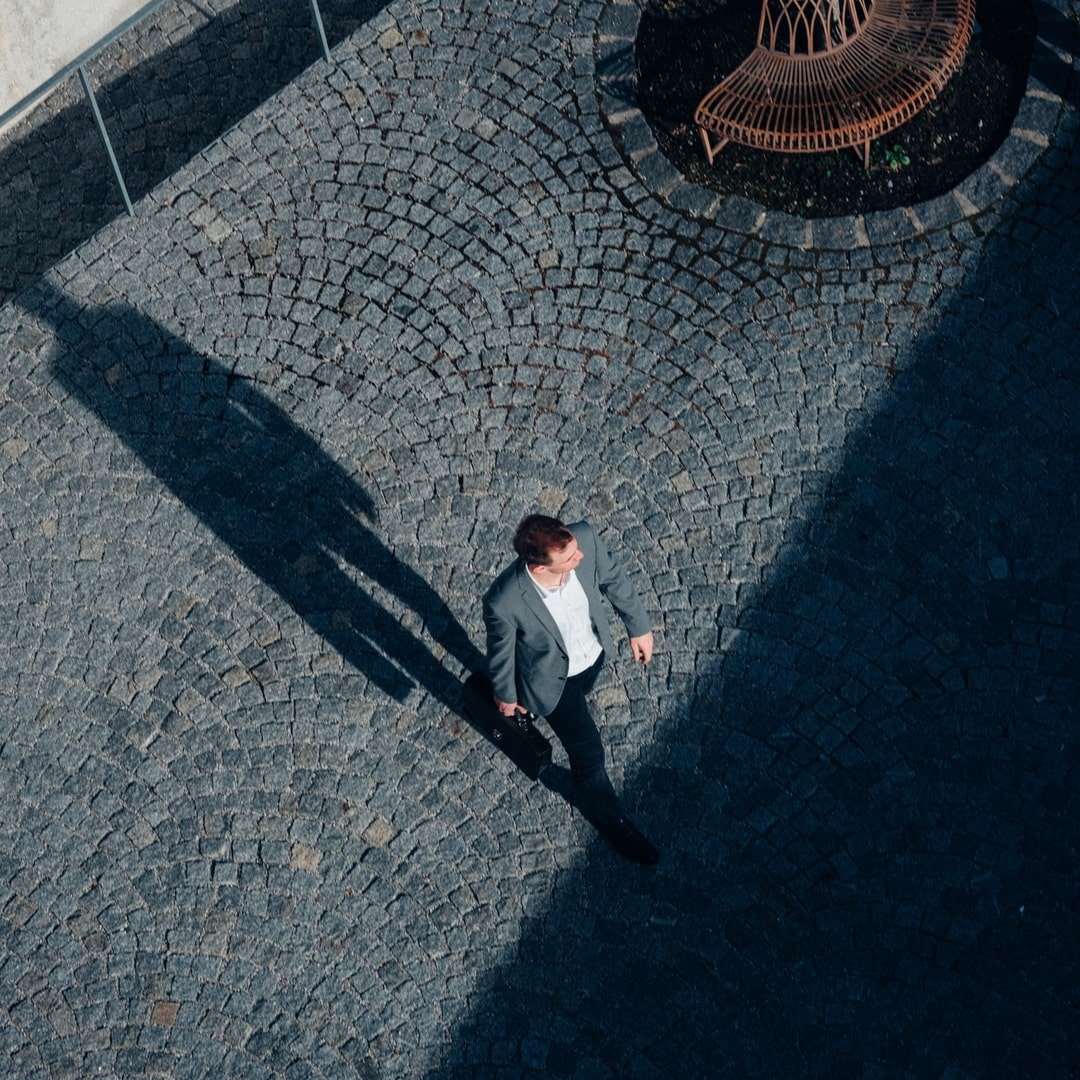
[(290, 512)]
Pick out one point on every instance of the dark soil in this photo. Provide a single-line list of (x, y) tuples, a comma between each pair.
[(685, 47)]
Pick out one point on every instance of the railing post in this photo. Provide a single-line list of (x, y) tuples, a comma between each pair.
[(319, 29), (105, 138)]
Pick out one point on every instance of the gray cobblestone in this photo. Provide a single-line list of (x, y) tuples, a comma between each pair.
[(260, 450)]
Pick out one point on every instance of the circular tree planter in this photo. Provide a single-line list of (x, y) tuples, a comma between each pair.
[(982, 133)]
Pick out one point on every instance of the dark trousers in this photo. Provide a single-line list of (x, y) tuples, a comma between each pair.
[(576, 730)]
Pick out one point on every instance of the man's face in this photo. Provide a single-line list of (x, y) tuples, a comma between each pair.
[(563, 560)]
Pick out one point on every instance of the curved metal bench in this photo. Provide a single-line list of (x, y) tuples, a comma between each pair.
[(829, 74)]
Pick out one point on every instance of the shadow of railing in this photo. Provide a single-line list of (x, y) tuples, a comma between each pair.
[(291, 514), (868, 832), (56, 187)]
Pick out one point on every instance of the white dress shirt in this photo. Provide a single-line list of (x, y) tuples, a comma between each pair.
[(568, 605)]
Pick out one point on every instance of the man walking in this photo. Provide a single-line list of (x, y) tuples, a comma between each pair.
[(547, 637)]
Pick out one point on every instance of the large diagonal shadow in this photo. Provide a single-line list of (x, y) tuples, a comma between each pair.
[(56, 188), (869, 811), (291, 514)]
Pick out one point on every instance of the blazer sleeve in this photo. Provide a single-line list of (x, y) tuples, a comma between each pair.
[(615, 584), (501, 649)]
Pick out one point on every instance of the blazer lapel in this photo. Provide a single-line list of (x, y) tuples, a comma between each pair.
[(533, 602)]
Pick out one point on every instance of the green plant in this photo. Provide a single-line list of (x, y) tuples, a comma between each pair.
[(896, 158)]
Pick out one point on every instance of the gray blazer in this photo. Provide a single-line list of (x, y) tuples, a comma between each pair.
[(527, 659)]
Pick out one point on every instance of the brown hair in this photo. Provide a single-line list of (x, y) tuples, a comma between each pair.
[(537, 536)]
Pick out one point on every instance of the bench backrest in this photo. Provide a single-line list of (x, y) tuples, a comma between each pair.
[(810, 27)]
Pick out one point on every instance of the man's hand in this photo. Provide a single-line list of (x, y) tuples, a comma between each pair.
[(508, 708), (641, 648)]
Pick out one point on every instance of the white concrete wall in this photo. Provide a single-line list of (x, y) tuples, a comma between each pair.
[(38, 38)]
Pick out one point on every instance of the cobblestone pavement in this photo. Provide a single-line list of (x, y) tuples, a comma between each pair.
[(166, 89), (261, 447)]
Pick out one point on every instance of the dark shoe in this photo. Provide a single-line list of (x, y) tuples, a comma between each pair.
[(630, 842)]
